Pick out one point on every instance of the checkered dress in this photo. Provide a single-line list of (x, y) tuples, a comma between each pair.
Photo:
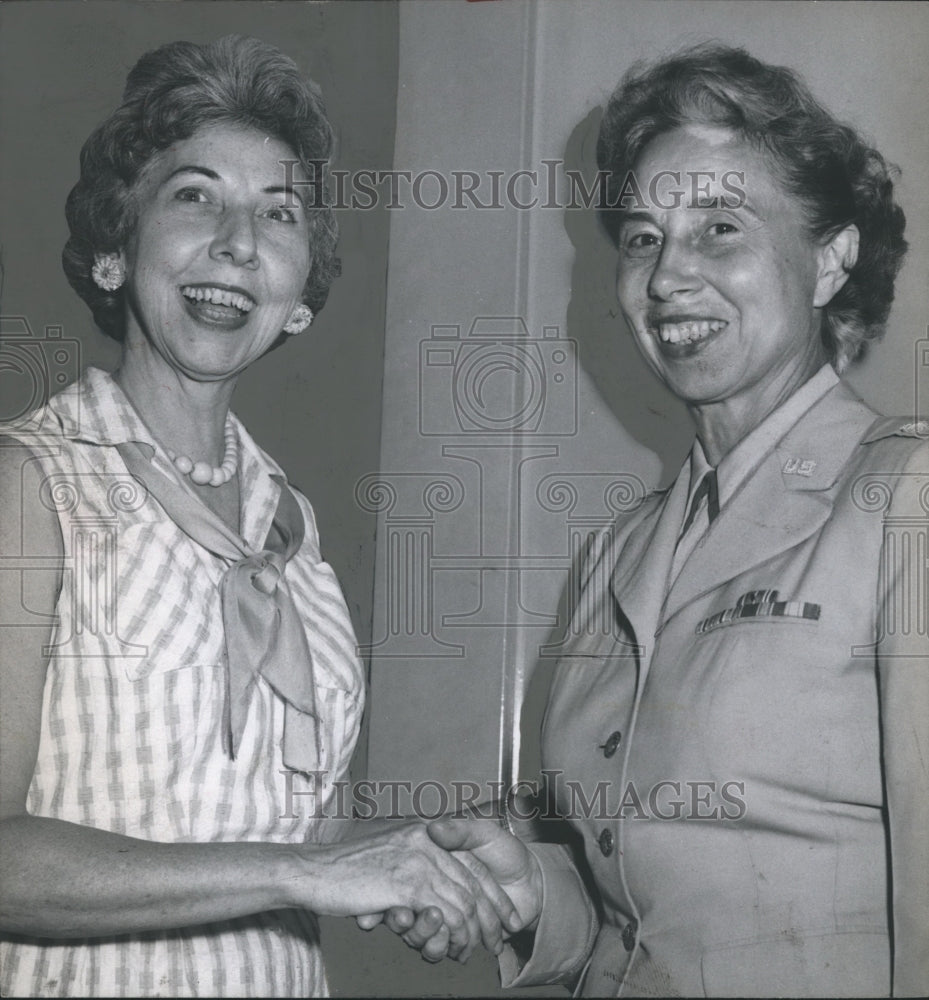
[(132, 737)]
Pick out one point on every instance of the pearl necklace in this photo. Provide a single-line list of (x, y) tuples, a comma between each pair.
[(202, 473)]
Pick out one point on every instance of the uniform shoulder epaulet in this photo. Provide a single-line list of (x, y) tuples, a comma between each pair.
[(885, 427)]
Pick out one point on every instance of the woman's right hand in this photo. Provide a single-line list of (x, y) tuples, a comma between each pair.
[(494, 858), (403, 869), (483, 845)]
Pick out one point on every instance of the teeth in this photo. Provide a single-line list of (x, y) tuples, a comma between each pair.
[(218, 297), (686, 333)]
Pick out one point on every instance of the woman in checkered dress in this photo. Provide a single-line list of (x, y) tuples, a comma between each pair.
[(180, 691)]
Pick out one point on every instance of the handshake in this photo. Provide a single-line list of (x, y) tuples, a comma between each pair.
[(443, 886)]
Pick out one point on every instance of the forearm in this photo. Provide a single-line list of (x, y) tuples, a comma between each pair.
[(62, 880)]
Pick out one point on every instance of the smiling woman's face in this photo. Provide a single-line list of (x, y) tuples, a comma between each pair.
[(220, 253), (722, 298)]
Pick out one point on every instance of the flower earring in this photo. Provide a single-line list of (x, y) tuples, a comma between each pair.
[(300, 319), (108, 272)]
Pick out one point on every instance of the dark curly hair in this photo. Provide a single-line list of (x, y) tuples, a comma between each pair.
[(837, 177), (171, 93)]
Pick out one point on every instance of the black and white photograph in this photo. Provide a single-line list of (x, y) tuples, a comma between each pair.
[(464, 498)]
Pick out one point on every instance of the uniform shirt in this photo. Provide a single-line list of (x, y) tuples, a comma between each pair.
[(728, 735), (737, 465)]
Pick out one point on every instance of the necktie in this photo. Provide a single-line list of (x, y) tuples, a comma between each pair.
[(707, 488), (263, 630)]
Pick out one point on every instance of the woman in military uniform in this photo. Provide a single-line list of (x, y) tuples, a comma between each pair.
[(758, 715)]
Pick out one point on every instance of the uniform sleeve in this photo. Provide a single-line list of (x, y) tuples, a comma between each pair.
[(557, 952), (566, 930), (903, 673)]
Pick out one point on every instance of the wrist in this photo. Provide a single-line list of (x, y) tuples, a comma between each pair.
[(302, 875)]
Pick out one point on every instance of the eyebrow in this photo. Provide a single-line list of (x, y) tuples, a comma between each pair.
[(637, 216), (627, 218), (193, 169), (288, 190), (190, 168), (745, 208)]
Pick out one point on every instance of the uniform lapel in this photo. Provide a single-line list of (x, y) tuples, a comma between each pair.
[(645, 548), (785, 500)]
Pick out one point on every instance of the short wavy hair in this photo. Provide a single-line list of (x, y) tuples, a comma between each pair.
[(171, 93), (838, 178)]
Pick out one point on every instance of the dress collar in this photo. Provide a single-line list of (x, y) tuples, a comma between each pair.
[(94, 409)]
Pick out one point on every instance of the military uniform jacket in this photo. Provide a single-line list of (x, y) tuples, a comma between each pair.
[(738, 748)]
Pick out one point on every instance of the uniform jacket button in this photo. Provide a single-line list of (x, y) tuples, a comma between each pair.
[(629, 933), (612, 743), (605, 840)]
